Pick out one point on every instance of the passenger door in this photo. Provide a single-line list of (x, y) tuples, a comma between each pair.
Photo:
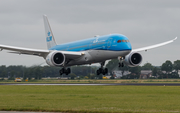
[(109, 43)]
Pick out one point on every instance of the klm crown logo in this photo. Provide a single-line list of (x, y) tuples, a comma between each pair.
[(49, 38), (49, 33)]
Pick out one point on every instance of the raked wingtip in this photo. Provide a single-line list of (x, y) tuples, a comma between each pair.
[(44, 15), (175, 38)]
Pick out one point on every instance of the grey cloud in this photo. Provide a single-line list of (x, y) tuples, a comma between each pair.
[(144, 22)]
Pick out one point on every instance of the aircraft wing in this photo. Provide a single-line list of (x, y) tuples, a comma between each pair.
[(38, 52), (153, 46)]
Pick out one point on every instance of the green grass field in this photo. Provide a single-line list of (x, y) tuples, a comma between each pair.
[(97, 81), (80, 99)]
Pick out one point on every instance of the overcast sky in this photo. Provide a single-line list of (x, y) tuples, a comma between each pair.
[(144, 22)]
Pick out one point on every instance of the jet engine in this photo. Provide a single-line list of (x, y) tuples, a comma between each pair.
[(133, 59), (55, 58)]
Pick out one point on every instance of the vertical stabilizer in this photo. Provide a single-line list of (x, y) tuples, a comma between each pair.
[(49, 35)]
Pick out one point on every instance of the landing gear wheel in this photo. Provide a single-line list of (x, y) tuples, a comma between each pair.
[(61, 71), (102, 70), (106, 70), (64, 71), (69, 70), (121, 64), (98, 72)]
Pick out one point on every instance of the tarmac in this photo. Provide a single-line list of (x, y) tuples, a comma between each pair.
[(26, 112), (94, 84)]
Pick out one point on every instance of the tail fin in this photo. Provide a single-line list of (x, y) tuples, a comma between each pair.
[(49, 35)]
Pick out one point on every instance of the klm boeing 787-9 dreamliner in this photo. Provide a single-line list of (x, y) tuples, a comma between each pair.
[(93, 50)]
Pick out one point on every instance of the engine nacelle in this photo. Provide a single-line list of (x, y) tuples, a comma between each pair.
[(133, 59), (55, 58)]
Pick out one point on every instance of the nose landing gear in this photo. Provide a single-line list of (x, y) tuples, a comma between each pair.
[(121, 64)]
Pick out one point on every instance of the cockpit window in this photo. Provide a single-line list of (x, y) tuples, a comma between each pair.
[(119, 41), (122, 41)]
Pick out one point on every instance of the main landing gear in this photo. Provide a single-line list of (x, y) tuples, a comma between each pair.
[(65, 71), (102, 70), (121, 64)]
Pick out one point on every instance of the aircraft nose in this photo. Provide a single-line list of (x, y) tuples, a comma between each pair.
[(128, 46)]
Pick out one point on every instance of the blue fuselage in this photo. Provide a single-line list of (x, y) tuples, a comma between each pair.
[(112, 42)]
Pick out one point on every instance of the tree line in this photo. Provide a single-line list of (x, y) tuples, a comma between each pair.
[(166, 70), (37, 72)]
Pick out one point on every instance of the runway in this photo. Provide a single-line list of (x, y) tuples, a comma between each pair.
[(27, 112), (94, 84)]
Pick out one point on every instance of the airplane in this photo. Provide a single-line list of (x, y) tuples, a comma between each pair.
[(97, 49)]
